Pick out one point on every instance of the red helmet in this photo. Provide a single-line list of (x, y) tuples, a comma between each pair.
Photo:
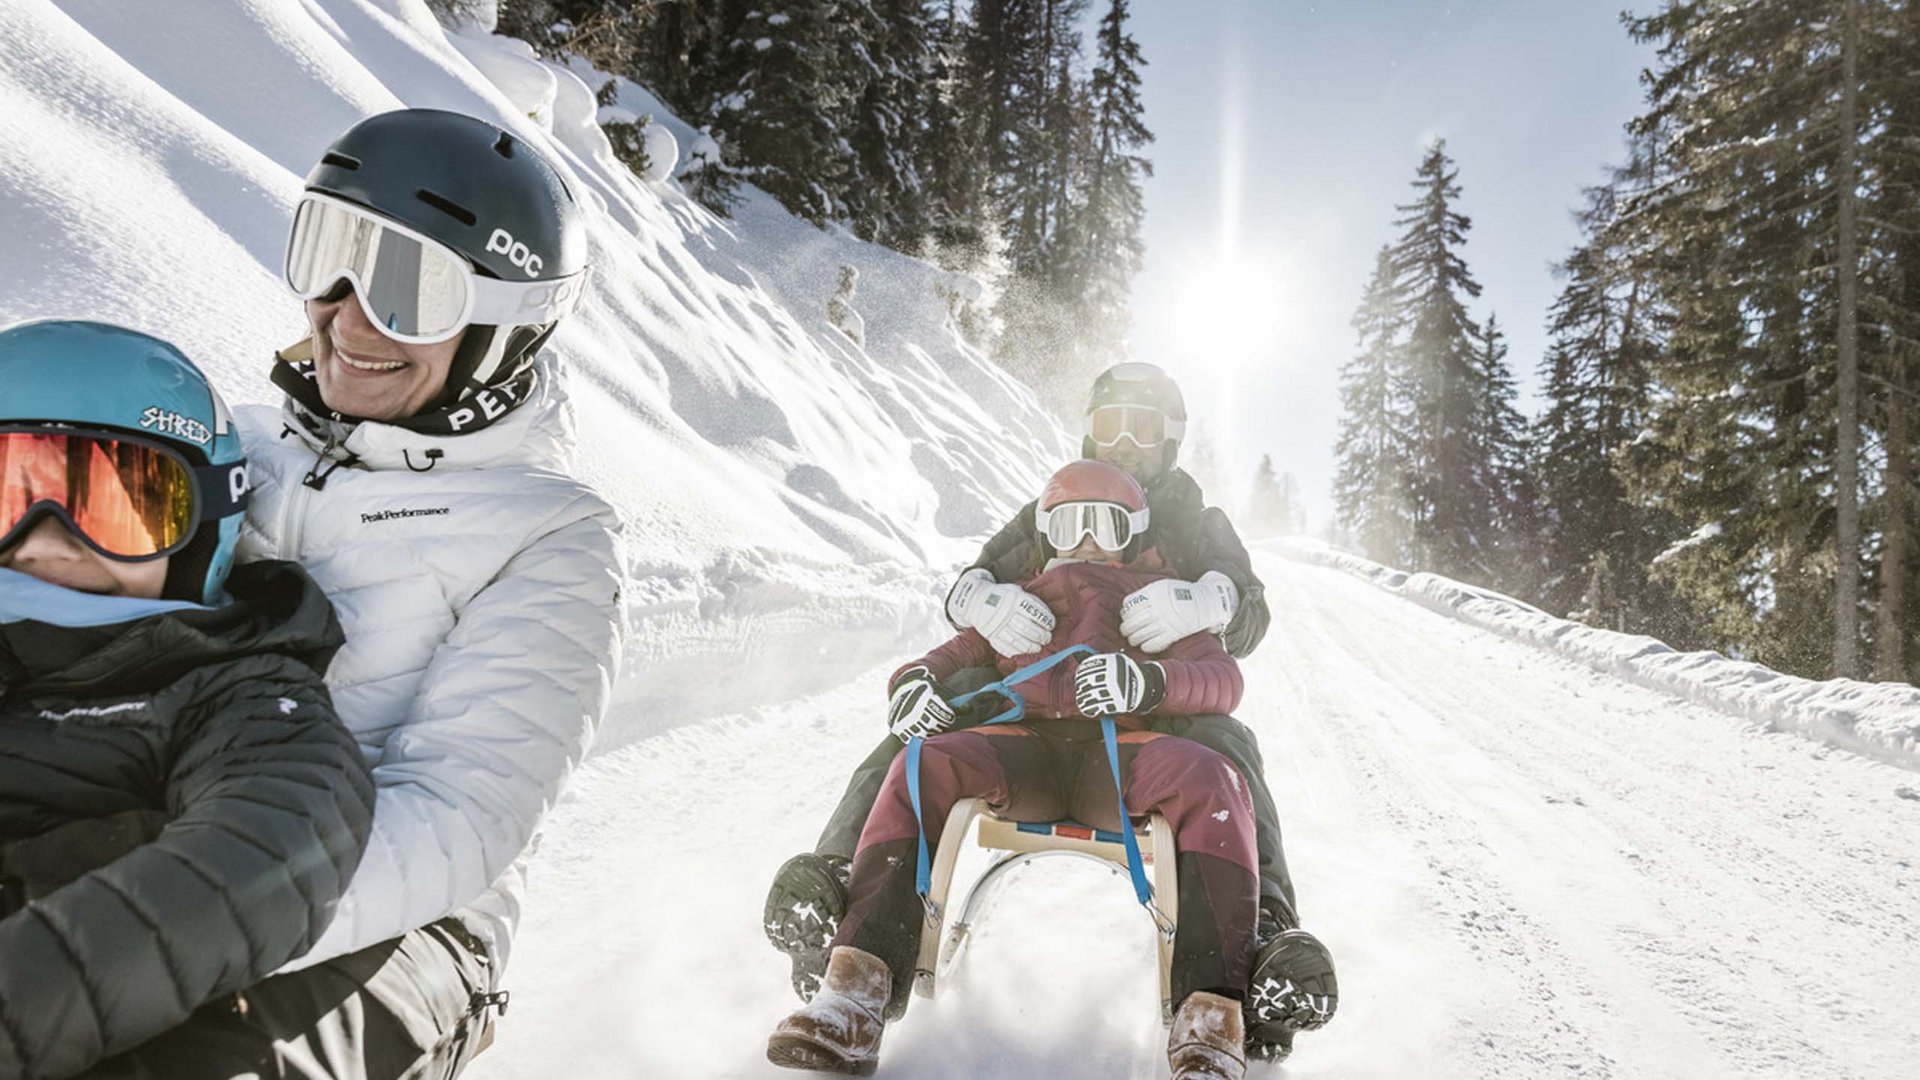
[(1092, 481), (1091, 498)]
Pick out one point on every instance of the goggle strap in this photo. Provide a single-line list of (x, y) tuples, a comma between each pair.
[(525, 303), (223, 490)]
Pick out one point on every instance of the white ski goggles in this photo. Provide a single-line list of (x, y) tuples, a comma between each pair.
[(1143, 426), (414, 288), (1111, 525)]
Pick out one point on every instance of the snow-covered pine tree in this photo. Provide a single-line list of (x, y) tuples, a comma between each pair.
[(1453, 509), (1040, 158), (950, 156), (1104, 249), (1034, 187), (1370, 487), (783, 117), (886, 200), (1775, 117)]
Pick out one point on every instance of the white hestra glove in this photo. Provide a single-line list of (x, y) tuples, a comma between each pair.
[(1108, 683), (1159, 614), (916, 708), (1014, 621)]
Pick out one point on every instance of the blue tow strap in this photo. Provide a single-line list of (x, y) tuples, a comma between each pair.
[(923, 867), (1136, 866)]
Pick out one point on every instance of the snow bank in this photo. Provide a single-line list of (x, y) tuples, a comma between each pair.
[(1875, 720), (779, 479)]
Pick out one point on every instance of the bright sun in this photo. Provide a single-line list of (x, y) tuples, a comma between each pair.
[(1234, 312)]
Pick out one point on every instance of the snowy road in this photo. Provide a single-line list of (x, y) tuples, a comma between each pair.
[(1525, 869)]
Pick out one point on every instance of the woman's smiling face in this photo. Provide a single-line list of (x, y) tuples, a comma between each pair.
[(362, 372)]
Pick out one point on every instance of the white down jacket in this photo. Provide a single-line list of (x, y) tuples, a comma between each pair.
[(479, 587)]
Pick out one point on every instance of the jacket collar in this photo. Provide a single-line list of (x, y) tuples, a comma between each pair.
[(278, 609), (23, 598), (527, 422)]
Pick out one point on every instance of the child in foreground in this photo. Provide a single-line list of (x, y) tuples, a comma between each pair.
[(179, 806)]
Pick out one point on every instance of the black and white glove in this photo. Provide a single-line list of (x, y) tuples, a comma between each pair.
[(1014, 621), (916, 707), (1160, 613), (1108, 683)]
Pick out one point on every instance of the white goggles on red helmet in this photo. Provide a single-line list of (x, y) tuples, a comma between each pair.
[(414, 288), (1111, 525)]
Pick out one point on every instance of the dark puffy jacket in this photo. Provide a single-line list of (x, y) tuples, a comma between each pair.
[(179, 810), (1085, 599), (1192, 536)]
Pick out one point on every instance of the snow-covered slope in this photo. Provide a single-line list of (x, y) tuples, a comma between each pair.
[(1880, 720), (1525, 869), (779, 479)]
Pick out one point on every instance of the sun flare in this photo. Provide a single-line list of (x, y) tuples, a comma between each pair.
[(1233, 314)]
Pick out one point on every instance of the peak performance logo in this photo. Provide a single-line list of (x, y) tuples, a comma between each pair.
[(389, 515)]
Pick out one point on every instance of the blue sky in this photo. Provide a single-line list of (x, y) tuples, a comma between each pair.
[(1286, 133)]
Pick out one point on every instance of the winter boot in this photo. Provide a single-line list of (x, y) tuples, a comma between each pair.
[(804, 908), (1208, 1039), (1292, 989), (839, 1030)]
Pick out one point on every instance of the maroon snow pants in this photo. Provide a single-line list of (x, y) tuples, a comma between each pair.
[(1045, 770)]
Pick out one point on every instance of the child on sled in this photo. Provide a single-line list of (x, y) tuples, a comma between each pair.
[(1054, 764)]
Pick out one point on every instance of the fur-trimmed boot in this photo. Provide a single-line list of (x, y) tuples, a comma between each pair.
[(839, 1030), (1208, 1040)]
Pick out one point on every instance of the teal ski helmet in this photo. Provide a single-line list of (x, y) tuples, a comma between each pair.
[(97, 376)]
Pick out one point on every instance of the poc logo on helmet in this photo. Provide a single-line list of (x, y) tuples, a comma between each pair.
[(503, 243)]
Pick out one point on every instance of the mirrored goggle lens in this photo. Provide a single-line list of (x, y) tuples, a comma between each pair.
[(1107, 523), (413, 289), (130, 499), (1145, 427)]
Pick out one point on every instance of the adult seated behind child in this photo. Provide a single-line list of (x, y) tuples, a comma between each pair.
[(180, 808), (1051, 765)]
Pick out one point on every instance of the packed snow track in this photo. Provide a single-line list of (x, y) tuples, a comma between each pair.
[(1524, 868)]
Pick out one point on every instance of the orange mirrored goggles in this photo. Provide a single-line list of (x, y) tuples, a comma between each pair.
[(127, 498)]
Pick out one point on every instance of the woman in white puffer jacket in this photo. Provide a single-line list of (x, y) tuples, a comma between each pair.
[(420, 471)]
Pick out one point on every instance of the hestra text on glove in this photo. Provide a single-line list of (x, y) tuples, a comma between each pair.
[(1157, 615), (1013, 620)]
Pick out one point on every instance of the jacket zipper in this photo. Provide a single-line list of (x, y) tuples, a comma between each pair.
[(296, 495)]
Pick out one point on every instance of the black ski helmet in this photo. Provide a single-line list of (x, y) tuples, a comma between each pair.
[(1143, 384), (480, 190)]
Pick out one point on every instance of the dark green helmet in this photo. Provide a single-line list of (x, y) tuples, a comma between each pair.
[(1141, 385), (481, 191)]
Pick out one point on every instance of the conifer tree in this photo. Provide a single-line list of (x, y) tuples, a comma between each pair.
[(1371, 486), (1105, 249), (949, 154), (1452, 507), (1273, 503), (1774, 116), (1504, 457), (1598, 376), (783, 113), (886, 198)]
